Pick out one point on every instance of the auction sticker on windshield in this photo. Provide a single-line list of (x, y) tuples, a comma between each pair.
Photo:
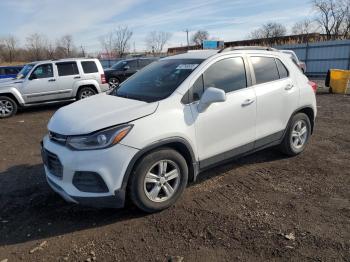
[(187, 66)]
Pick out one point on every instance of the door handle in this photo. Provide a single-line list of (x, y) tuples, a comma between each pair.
[(288, 87), (76, 77), (247, 102), (52, 80)]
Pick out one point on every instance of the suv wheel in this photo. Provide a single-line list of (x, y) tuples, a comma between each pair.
[(86, 92), (113, 82), (8, 107), (158, 180), (297, 135)]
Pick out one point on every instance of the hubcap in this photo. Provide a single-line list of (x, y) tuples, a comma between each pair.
[(299, 134), (113, 82), (162, 181), (86, 93), (6, 108)]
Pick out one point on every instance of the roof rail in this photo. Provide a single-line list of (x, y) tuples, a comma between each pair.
[(234, 48)]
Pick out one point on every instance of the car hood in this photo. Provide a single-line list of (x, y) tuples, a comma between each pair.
[(9, 82), (98, 112)]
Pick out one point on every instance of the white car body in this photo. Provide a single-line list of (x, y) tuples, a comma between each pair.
[(250, 119)]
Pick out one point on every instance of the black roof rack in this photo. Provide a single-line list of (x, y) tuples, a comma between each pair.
[(234, 48)]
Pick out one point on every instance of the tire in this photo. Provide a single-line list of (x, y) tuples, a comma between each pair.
[(149, 188), (8, 107), (85, 92), (113, 82), (296, 137)]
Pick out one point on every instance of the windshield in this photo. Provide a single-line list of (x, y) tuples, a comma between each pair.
[(119, 65), (25, 70), (158, 80)]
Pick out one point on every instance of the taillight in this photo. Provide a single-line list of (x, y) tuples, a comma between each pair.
[(313, 85), (103, 79)]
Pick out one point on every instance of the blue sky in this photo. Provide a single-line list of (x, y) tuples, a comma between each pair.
[(87, 20)]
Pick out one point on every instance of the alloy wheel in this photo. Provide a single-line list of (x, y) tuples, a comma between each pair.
[(113, 82), (6, 108), (162, 181), (299, 134), (86, 94)]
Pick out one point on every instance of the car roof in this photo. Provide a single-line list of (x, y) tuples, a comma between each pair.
[(62, 60), (194, 54)]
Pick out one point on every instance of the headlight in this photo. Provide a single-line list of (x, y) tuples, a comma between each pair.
[(101, 139)]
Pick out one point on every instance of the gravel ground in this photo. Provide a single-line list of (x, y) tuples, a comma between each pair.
[(261, 207)]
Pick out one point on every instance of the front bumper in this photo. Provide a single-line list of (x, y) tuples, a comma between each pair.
[(110, 164)]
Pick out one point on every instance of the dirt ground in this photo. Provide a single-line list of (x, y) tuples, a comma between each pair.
[(261, 207)]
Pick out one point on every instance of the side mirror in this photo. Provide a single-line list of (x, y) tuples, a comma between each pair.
[(126, 68), (33, 76), (211, 95)]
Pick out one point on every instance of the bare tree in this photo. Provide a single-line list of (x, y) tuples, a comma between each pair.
[(200, 36), (121, 38), (305, 27), (50, 50), (269, 30), (331, 15), (66, 42), (9, 45), (36, 45), (156, 40), (107, 43)]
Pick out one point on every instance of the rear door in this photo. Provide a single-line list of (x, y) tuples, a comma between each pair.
[(40, 84), (68, 75), (277, 97)]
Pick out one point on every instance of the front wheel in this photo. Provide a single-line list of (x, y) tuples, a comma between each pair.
[(297, 135), (85, 92), (8, 107), (113, 82), (158, 180)]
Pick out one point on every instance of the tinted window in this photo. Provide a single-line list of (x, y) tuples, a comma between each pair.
[(11, 71), (228, 75), (132, 64), (265, 69), (158, 80), (282, 70), (144, 62), (42, 71), (89, 67), (67, 68)]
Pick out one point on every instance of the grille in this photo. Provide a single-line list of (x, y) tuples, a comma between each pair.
[(53, 163), (58, 138)]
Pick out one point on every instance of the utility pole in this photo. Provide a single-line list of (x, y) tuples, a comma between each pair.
[(188, 42)]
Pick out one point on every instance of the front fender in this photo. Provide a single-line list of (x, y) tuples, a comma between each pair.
[(14, 92)]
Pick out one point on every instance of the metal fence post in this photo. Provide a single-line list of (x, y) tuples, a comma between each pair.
[(307, 55)]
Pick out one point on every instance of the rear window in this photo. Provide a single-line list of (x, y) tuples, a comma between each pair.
[(89, 67), (265, 69), (282, 70), (67, 68)]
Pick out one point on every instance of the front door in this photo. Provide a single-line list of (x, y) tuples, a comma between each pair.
[(227, 128), (40, 85)]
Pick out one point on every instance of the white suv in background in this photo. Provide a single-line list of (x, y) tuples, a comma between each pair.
[(173, 119), (52, 81)]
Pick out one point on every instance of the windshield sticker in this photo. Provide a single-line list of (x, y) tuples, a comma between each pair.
[(187, 66)]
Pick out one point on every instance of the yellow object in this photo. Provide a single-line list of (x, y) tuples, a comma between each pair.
[(339, 80)]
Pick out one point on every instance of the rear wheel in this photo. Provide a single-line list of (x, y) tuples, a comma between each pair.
[(297, 135), (8, 107), (158, 180), (85, 92)]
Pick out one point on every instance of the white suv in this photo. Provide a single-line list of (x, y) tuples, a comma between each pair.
[(173, 119), (52, 81)]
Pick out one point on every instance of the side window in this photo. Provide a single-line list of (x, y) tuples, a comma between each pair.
[(2, 71), (89, 67), (132, 64), (67, 68), (42, 71), (282, 70), (10, 71), (228, 74), (265, 69)]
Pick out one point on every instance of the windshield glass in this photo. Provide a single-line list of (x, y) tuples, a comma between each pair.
[(158, 80), (119, 65), (25, 70)]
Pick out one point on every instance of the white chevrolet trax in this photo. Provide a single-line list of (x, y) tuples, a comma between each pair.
[(151, 136)]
